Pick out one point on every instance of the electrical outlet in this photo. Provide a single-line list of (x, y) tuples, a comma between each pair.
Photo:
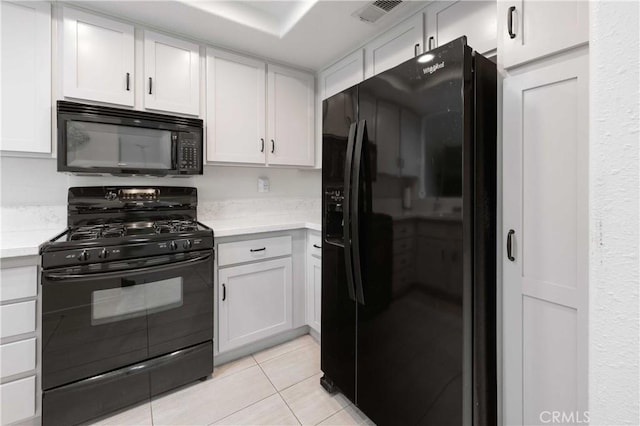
[(263, 184)]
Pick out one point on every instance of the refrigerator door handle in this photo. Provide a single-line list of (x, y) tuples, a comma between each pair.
[(346, 212), (355, 211)]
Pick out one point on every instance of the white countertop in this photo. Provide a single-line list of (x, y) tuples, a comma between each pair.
[(26, 243), (254, 225)]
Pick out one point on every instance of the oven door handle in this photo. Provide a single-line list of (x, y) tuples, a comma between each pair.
[(53, 276)]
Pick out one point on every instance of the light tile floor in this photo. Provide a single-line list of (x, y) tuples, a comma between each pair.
[(278, 386)]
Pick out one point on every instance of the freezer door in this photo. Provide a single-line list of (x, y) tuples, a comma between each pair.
[(338, 315)]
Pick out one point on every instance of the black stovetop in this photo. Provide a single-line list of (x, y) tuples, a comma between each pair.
[(115, 223)]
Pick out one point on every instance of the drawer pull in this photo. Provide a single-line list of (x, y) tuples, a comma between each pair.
[(255, 250), (317, 246)]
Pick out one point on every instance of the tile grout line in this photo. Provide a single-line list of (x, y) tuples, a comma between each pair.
[(283, 353), (237, 411), (281, 397), (253, 403), (331, 415)]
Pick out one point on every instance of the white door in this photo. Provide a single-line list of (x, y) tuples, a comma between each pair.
[(172, 74), (540, 28), (254, 302), (402, 42), (290, 99), (314, 291), (410, 144), (97, 58), (387, 132), (343, 74), (25, 52), (448, 20), (236, 102), (545, 163)]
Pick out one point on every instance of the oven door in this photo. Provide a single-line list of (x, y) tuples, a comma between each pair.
[(101, 317)]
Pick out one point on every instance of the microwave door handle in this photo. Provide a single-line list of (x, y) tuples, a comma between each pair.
[(174, 150), (53, 276)]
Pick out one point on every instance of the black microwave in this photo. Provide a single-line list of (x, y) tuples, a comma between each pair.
[(103, 140)]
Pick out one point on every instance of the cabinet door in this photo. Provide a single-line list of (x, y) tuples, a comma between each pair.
[(410, 144), (26, 76), (314, 291), (388, 138), (545, 163), (235, 108), (402, 42), (172, 74), (448, 20), (540, 28), (254, 301), (97, 58), (342, 75), (290, 97)]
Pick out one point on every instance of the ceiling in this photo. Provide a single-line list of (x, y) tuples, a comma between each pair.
[(310, 34)]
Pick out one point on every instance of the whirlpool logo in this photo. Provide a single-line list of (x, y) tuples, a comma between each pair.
[(433, 68)]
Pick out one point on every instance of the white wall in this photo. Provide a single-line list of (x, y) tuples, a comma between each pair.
[(614, 320), (32, 181)]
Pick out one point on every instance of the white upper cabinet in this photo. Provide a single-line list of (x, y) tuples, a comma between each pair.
[(25, 52), (290, 99), (171, 74), (530, 29), (448, 20), (343, 74), (236, 105), (402, 42), (98, 58)]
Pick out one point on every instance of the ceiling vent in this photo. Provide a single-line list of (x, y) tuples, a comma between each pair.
[(376, 10)]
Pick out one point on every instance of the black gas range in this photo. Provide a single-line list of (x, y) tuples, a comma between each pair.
[(127, 300)]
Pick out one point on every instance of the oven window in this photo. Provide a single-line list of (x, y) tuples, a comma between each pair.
[(117, 304), (116, 146)]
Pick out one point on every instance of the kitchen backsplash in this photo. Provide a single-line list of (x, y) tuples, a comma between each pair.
[(34, 194), (241, 208)]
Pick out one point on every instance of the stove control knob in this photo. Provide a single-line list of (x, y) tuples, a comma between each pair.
[(187, 244), (84, 255), (103, 253), (173, 245)]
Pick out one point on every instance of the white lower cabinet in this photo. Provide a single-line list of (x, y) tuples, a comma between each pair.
[(546, 221), (314, 292), (19, 362), (255, 301), (314, 280), (18, 400)]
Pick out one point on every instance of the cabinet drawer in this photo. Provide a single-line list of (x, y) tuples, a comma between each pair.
[(403, 229), (18, 357), (402, 261), (402, 245), (19, 282), (314, 245), (18, 400), (246, 251), (440, 229), (17, 318)]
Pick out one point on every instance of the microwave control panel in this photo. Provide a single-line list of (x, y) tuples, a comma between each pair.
[(189, 153)]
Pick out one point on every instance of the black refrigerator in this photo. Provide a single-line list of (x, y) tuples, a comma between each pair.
[(409, 229)]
